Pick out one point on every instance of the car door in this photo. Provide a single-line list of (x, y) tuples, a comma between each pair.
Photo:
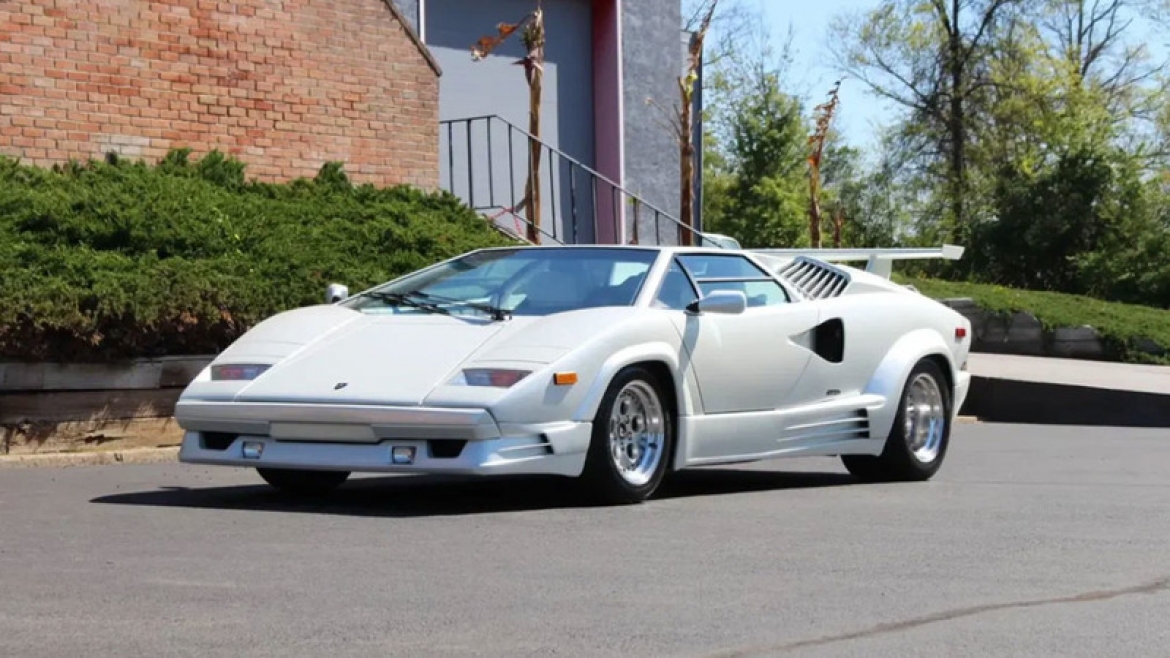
[(743, 362)]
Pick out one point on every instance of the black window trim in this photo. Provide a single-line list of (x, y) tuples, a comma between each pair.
[(695, 289)]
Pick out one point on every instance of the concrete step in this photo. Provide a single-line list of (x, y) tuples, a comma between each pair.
[(1022, 389)]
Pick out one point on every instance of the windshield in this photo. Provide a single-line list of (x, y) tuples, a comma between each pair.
[(522, 281)]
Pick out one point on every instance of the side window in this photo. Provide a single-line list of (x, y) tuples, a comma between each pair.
[(676, 290), (737, 273)]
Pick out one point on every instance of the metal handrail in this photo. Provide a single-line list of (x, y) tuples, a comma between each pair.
[(593, 179)]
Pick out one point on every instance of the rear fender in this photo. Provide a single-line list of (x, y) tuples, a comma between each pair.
[(890, 377)]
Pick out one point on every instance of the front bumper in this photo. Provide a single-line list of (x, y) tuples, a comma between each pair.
[(363, 439)]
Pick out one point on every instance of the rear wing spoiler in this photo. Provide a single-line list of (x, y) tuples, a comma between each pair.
[(878, 261)]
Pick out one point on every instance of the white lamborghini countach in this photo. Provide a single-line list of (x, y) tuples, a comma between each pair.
[(612, 364)]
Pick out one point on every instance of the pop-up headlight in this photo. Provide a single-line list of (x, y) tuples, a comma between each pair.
[(236, 372)]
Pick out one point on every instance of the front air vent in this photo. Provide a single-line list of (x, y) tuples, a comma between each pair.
[(218, 441), (446, 448), (814, 278)]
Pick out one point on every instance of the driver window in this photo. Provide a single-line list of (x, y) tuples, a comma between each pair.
[(676, 291)]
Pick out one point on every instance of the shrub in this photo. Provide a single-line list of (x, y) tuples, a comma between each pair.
[(1125, 328), (119, 259)]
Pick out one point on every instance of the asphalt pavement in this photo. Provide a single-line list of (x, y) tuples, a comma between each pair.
[(1032, 540)]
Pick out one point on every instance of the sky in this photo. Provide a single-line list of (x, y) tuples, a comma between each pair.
[(813, 74), (812, 69)]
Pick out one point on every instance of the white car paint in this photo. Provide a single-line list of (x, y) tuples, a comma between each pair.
[(344, 387)]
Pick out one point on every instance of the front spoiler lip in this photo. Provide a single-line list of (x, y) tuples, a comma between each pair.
[(557, 449)]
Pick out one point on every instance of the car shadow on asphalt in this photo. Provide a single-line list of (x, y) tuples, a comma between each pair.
[(426, 495)]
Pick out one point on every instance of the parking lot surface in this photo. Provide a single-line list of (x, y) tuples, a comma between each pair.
[(1032, 540)]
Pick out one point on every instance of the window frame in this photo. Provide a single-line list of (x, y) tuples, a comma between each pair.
[(697, 282), (673, 259)]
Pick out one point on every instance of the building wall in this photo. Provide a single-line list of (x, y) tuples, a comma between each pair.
[(284, 86), (651, 67), (497, 86)]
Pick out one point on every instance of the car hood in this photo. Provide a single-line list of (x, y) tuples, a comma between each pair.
[(367, 359), (336, 355)]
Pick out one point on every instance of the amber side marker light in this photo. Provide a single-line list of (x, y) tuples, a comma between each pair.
[(565, 378)]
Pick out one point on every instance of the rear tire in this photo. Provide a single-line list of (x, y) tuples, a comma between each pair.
[(301, 482), (918, 440), (633, 437)]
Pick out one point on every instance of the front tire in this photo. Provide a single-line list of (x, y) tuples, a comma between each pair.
[(918, 441), (633, 433), (301, 482)]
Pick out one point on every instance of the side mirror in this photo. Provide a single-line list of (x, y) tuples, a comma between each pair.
[(730, 302), (335, 293)]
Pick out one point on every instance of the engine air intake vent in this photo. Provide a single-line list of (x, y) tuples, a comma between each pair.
[(847, 426), (816, 279)]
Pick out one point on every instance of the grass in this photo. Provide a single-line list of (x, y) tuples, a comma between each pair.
[(1121, 325)]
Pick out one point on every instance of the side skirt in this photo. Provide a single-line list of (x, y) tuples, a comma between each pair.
[(836, 427)]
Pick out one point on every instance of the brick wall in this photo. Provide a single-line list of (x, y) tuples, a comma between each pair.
[(285, 85)]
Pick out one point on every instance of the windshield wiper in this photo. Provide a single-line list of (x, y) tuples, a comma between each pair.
[(418, 299), (408, 299), (496, 312)]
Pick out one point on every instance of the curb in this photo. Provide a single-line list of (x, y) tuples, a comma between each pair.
[(100, 458), (1001, 400)]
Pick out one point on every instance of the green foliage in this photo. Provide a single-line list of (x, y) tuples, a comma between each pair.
[(755, 176), (1121, 325), (1048, 219), (112, 260), (1034, 133)]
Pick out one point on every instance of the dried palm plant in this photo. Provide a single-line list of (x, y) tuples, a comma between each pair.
[(532, 35), (824, 117)]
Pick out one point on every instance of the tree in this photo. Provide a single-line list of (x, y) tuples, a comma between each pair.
[(764, 201), (532, 34), (875, 202), (928, 57), (1091, 37)]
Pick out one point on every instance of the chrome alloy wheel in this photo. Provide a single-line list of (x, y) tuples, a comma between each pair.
[(924, 418), (637, 432)]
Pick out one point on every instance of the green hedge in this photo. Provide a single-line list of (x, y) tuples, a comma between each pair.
[(119, 259), (1122, 326)]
